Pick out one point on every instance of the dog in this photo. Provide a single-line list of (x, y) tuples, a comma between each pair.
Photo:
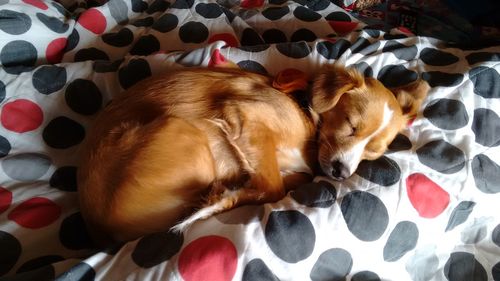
[(219, 138)]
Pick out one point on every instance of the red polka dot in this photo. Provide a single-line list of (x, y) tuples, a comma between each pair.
[(343, 27), (5, 199), (55, 50), (37, 3), (428, 198), (230, 40), (216, 59), (211, 258), (247, 4), (405, 30), (93, 20), (21, 116), (35, 213)]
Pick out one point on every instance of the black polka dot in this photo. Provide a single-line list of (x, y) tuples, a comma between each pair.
[(290, 235), (365, 47), (18, 56), (332, 265), (139, 6), (49, 79), (364, 68), (60, 9), (135, 71), (146, 45), (365, 276), (495, 271), (80, 272), (338, 16), (486, 82), (44, 273), (321, 194), (460, 214), (276, 13), (305, 14), (156, 248), (447, 114), (166, 23), (464, 266), (400, 51), (486, 127), (317, 5), (62, 132), (90, 54), (437, 58), (83, 97), (303, 34), (442, 79), (209, 11), (365, 215), (482, 57), (2, 91), (255, 48), (250, 38), (396, 76), (183, 4), (102, 66), (64, 178), (144, 22), (401, 142), (441, 156), (118, 10), (4, 146), (294, 50), (382, 171), (73, 233), (388, 36), (256, 269), (229, 15), (277, 2), (38, 262), (331, 50), (193, 32), (402, 239), (495, 235), (158, 6), (122, 38), (72, 41), (14, 23), (11, 251), (486, 174), (272, 36), (53, 23), (242, 215), (374, 33), (252, 66)]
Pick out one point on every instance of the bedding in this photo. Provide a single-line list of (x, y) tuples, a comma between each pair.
[(426, 210)]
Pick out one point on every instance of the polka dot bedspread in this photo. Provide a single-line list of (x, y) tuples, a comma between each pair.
[(427, 210)]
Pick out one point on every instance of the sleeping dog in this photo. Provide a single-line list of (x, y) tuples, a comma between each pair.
[(219, 138)]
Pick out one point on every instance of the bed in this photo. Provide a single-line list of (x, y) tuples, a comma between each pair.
[(427, 210)]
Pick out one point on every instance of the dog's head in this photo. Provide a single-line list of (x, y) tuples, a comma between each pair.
[(359, 117)]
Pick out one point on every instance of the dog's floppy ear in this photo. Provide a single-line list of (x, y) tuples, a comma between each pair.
[(411, 96), (331, 83)]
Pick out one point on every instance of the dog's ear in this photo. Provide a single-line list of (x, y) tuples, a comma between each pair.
[(411, 96), (331, 83)]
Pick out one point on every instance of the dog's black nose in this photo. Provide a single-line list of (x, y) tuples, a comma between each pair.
[(339, 171)]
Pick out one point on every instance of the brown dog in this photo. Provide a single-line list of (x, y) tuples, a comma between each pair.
[(220, 138)]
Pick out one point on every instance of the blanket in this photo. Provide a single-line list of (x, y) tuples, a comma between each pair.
[(426, 210)]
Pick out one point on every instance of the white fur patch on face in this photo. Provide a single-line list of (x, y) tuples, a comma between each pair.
[(352, 157)]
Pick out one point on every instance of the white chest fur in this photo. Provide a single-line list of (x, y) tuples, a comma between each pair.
[(291, 160)]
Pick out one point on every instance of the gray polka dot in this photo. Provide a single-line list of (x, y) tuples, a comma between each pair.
[(486, 127), (365, 276), (441, 156), (495, 235), (437, 57), (460, 214), (475, 232), (423, 264), (464, 266), (402, 239), (256, 269), (486, 82), (396, 76), (447, 114), (442, 79), (26, 166), (332, 265), (486, 174), (400, 51)]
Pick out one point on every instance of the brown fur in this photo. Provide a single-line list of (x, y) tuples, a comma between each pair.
[(196, 137)]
